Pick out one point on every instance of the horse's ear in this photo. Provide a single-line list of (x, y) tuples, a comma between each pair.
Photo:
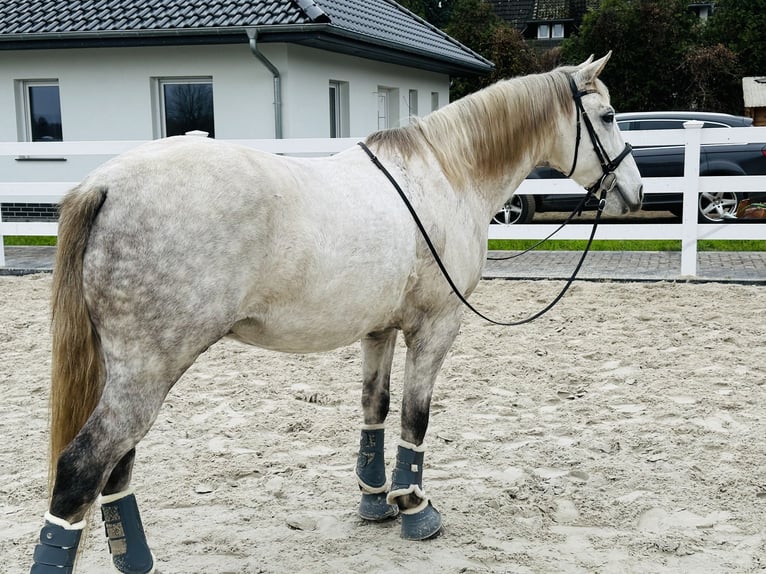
[(588, 71), (586, 62)]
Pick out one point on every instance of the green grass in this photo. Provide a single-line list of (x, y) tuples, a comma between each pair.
[(28, 240), (632, 245), (521, 244)]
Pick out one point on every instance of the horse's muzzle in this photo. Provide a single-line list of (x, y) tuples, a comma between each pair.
[(628, 201)]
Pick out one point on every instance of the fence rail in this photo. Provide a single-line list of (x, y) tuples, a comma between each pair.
[(691, 184)]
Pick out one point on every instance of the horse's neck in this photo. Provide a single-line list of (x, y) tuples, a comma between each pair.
[(495, 150)]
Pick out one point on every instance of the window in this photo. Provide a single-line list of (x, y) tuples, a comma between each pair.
[(703, 9), (548, 31), (185, 104), (382, 109), (434, 101), (388, 107), (661, 124), (339, 115), (412, 103), (41, 103)]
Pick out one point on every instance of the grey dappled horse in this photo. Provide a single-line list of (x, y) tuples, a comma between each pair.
[(172, 246)]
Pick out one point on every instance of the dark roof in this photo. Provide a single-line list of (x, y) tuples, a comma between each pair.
[(377, 29), (519, 13)]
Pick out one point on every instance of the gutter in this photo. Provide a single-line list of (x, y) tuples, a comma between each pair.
[(252, 35)]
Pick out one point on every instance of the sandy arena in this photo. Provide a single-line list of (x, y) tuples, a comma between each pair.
[(621, 433)]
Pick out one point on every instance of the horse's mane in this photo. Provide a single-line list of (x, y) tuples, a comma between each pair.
[(478, 135)]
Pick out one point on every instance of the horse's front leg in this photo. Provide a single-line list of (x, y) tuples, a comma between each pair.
[(426, 349), (377, 355)]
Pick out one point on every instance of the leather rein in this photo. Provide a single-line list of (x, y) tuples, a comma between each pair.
[(605, 184)]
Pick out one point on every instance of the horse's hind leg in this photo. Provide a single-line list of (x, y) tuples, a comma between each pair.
[(100, 459), (377, 354), (426, 348)]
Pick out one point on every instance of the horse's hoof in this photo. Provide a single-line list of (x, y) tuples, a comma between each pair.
[(422, 525), (374, 507)]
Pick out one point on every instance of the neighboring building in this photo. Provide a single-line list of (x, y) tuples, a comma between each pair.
[(702, 9), (545, 23), (144, 69), (754, 94)]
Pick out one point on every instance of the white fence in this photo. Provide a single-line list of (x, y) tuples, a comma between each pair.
[(688, 231)]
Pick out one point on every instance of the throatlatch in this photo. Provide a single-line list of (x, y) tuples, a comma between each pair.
[(423, 520), (125, 533), (371, 474), (57, 550)]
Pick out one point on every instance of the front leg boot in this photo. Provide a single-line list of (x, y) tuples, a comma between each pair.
[(371, 475), (420, 520)]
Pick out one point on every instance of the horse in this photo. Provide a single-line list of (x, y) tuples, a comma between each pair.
[(174, 245)]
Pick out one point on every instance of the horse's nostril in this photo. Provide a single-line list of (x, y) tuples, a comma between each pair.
[(640, 194)]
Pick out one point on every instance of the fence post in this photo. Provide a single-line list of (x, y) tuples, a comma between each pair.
[(2, 242), (691, 197)]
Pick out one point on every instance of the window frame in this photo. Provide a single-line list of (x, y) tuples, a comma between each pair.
[(160, 111), (339, 109), (388, 98), (412, 103), (24, 103), (434, 101)]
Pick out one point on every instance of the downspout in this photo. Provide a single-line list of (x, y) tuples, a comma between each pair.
[(252, 34)]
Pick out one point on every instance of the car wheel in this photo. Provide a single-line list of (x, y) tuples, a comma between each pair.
[(714, 206), (518, 209)]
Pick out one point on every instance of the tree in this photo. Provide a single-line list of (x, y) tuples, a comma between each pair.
[(474, 24), (714, 79), (649, 40), (498, 42), (740, 25), (436, 12)]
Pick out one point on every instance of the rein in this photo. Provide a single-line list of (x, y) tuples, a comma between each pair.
[(606, 183)]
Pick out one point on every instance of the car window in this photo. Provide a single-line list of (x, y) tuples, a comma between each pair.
[(714, 125), (626, 126), (661, 124)]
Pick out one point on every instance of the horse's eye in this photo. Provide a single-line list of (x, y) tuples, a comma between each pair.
[(608, 117)]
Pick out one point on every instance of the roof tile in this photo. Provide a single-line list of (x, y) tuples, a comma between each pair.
[(381, 22)]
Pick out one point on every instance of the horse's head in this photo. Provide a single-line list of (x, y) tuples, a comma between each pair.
[(590, 149)]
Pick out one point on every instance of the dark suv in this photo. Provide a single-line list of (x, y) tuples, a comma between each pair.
[(662, 161)]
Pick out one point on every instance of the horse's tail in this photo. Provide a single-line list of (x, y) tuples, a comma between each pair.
[(77, 367)]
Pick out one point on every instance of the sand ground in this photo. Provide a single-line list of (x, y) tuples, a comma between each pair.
[(623, 432)]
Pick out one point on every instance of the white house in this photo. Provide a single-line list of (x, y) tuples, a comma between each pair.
[(239, 69)]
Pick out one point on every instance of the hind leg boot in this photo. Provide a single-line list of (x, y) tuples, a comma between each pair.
[(125, 533), (57, 550)]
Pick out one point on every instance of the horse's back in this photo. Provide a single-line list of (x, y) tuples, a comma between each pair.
[(281, 252)]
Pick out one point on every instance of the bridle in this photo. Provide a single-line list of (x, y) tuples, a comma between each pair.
[(603, 185), (606, 183)]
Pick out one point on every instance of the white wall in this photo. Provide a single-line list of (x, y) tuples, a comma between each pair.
[(306, 77), (106, 93), (109, 94)]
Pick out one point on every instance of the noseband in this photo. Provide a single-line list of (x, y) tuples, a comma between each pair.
[(608, 180)]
